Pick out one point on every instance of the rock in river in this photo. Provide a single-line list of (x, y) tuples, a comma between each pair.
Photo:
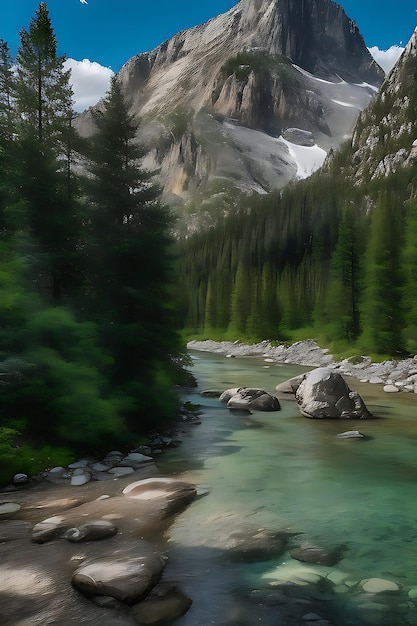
[(248, 398), (324, 394), (310, 553), (161, 608)]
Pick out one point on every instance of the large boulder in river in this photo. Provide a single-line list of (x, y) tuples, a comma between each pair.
[(248, 398), (325, 394)]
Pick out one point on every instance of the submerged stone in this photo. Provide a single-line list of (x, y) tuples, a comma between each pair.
[(161, 610), (309, 553), (379, 585), (211, 393)]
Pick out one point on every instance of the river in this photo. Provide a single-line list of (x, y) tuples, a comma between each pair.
[(280, 471)]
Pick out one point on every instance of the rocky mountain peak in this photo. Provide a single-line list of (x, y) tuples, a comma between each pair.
[(315, 34), (250, 100)]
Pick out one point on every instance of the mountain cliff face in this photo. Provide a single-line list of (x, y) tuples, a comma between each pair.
[(385, 137), (251, 99), (314, 34)]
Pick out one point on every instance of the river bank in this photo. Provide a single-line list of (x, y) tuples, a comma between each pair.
[(394, 376), (91, 553)]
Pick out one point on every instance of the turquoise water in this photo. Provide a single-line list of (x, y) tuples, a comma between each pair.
[(281, 471)]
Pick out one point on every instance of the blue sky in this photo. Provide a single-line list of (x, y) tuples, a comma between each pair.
[(109, 32)]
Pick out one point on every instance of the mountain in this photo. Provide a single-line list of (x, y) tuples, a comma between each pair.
[(334, 256), (385, 136), (249, 100)]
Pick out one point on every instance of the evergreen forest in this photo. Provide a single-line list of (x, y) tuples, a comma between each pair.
[(332, 257), (310, 262), (89, 352)]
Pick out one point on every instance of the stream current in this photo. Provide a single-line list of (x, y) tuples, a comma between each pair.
[(282, 472)]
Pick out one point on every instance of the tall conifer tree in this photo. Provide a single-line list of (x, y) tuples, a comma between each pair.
[(7, 129), (409, 258), (382, 304), (342, 295), (44, 106), (129, 248)]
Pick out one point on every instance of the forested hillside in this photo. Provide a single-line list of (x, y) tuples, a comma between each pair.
[(332, 257), (88, 344)]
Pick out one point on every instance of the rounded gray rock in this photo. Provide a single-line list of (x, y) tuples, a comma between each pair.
[(126, 578)]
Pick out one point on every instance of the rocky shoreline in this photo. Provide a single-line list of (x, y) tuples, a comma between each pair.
[(91, 552), (85, 544), (394, 376)]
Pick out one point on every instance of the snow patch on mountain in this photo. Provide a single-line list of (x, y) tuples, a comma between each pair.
[(308, 159), (345, 104)]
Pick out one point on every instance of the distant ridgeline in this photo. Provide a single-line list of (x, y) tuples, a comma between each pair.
[(334, 256)]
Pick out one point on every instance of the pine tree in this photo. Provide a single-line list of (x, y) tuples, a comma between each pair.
[(240, 300), (409, 259), (342, 295), (43, 98), (7, 130), (382, 304), (7, 115), (129, 254), (44, 94)]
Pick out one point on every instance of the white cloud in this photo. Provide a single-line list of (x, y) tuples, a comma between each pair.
[(386, 58), (89, 81)]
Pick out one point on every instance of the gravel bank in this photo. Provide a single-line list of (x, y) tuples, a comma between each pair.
[(395, 376)]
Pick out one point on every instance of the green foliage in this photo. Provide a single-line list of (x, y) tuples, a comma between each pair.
[(381, 308), (42, 152), (179, 121), (260, 63), (22, 457), (340, 311), (88, 343), (64, 392), (409, 259), (13, 296)]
